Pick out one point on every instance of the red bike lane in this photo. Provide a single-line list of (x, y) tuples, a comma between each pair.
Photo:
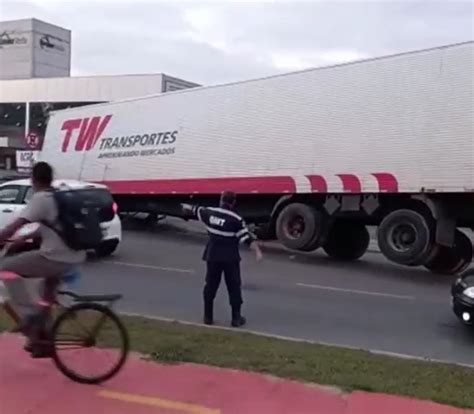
[(30, 386)]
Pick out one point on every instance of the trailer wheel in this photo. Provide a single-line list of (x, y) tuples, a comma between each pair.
[(151, 219), (300, 226), (406, 237), (452, 260), (347, 241), (319, 236), (265, 232), (315, 243)]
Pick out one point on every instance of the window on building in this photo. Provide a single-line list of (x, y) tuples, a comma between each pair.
[(12, 120), (39, 113)]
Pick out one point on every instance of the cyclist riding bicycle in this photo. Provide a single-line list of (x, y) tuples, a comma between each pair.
[(53, 260)]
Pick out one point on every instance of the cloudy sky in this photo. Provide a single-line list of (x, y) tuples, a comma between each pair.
[(220, 41)]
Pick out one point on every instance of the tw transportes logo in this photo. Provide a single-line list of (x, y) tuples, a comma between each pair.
[(88, 132)]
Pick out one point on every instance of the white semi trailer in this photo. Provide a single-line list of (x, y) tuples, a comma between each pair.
[(315, 156)]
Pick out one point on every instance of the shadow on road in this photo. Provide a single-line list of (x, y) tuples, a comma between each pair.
[(374, 263)]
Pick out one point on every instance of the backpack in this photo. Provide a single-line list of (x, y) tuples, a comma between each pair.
[(78, 218)]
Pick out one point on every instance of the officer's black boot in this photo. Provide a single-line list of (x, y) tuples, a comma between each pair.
[(208, 313), (237, 318)]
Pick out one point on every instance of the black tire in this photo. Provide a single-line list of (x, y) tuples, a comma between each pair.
[(452, 260), (123, 349), (151, 219), (107, 248), (406, 237), (264, 232), (347, 241), (310, 223), (313, 245), (320, 236)]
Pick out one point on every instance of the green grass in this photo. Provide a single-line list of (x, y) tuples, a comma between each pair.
[(348, 369)]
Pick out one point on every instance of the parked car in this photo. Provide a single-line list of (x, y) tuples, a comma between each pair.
[(14, 196), (462, 293), (12, 177)]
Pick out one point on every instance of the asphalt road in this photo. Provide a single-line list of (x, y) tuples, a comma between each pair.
[(371, 304)]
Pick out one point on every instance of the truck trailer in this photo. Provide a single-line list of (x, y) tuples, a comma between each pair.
[(315, 156)]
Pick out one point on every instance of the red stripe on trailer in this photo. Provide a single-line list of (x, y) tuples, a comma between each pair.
[(318, 183), (350, 183), (387, 182), (242, 185)]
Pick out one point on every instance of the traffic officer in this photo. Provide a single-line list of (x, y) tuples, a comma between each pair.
[(226, 230)]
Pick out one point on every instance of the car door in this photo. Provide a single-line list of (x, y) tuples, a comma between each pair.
[(10, 203)]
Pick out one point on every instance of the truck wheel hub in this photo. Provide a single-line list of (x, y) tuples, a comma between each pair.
[(296, 227), (403, 237)]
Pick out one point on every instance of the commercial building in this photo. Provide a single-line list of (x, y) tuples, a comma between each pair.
[(35, 67)]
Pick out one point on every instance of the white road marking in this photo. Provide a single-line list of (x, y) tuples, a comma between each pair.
[(358, 292), (145, 266)]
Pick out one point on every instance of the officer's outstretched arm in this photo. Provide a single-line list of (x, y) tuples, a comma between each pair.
[(201, 213)]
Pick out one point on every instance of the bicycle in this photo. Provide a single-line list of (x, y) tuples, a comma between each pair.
[(59, 339)]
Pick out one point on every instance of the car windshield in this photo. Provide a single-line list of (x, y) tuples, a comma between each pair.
[(101, 195)]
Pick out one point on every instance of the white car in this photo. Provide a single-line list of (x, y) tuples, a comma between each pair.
[(14, 196)]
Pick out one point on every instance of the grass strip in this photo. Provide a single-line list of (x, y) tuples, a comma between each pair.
[(348, 369)]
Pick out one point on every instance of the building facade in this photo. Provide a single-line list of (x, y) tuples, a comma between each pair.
[(35, 65), (31, 48)]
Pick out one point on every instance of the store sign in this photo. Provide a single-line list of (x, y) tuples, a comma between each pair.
[(12, 38), (25, 160)]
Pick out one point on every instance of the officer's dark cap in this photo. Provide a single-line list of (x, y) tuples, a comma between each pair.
[(228, 198)]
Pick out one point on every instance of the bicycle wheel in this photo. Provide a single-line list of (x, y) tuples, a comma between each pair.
[(83, 337)]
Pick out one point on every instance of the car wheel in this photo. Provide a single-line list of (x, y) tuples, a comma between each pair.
[(107, 248)]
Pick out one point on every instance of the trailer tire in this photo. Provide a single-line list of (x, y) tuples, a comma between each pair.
[(151, 219), (452, 260), (314, 244), (300, 226), (347, 241), (265, 232), (319, 237), (406, 237)]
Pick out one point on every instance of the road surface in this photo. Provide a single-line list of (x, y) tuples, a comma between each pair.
[(370, 304)]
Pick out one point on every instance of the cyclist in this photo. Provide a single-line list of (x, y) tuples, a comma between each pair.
[(52, 261)]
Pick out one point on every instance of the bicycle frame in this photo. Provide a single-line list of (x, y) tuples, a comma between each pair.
[(108, 299), (48, 339), (5, 305), (11, 313)]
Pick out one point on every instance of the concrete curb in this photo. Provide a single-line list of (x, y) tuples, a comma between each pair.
[(299, 340)]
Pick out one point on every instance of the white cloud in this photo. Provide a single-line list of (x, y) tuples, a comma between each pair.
[(219, 41)]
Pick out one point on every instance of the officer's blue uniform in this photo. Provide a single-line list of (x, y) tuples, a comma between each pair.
[(226, 230)]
